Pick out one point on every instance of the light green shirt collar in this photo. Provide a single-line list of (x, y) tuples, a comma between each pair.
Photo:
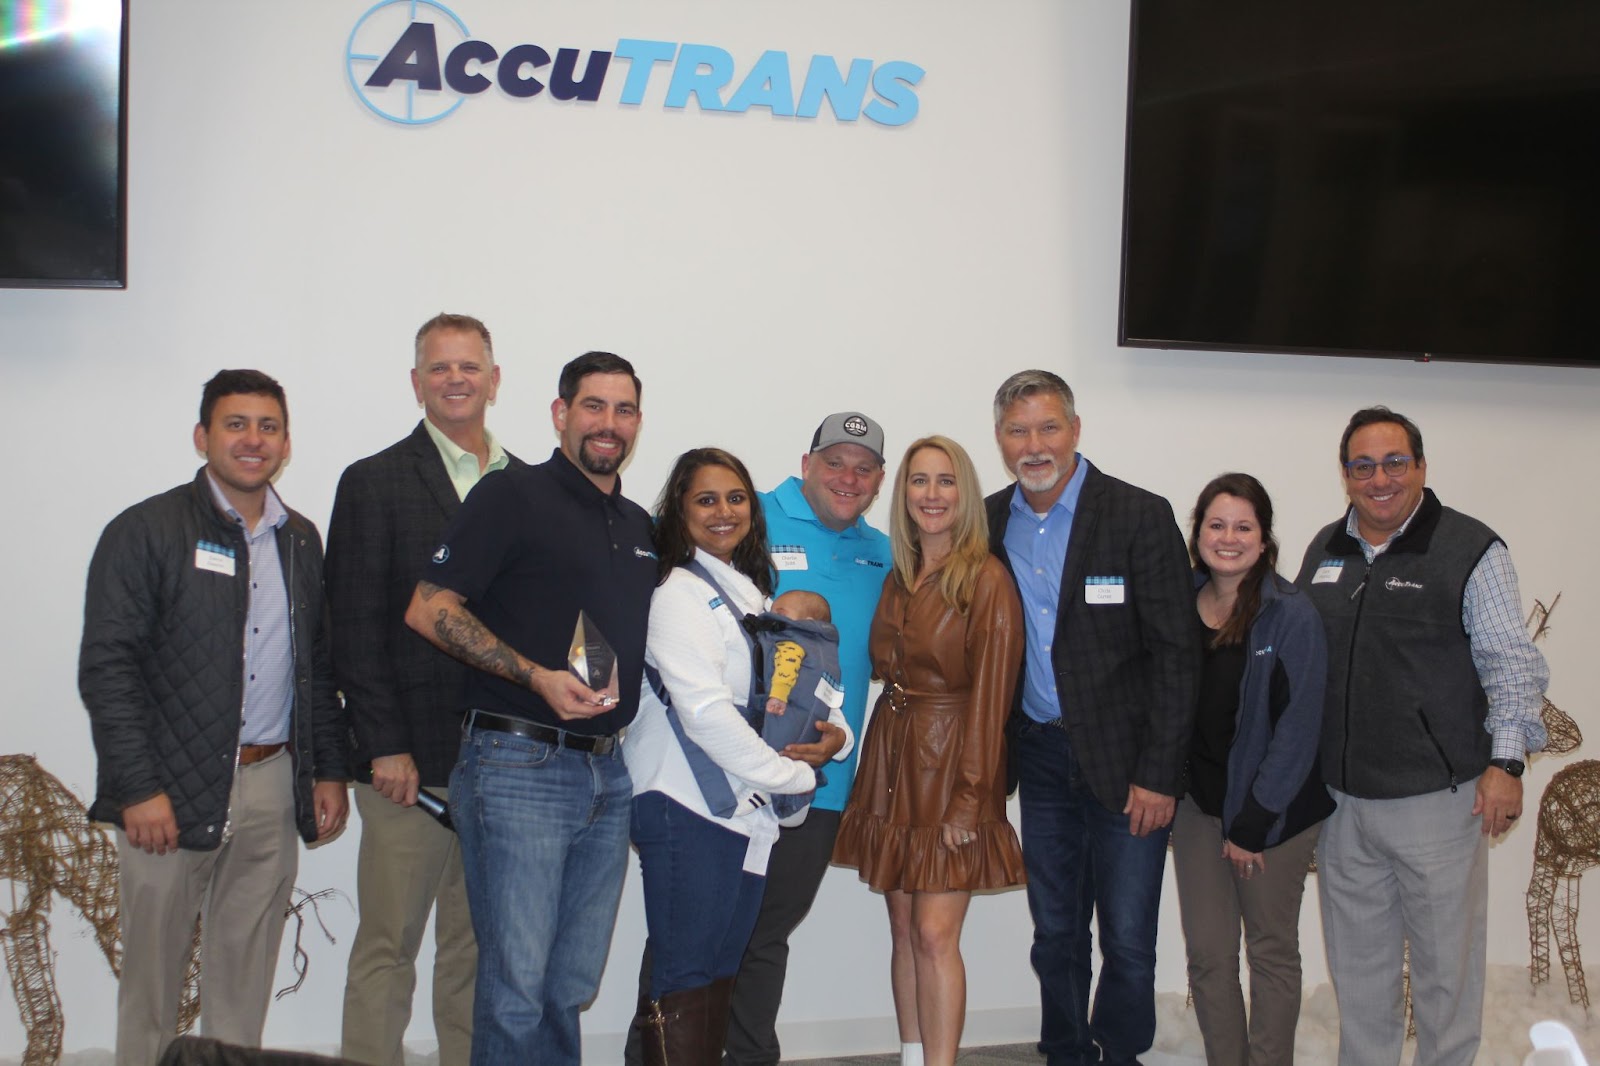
[(460, 464)]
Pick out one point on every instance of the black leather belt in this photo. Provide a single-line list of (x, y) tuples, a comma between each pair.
[(519, 727)]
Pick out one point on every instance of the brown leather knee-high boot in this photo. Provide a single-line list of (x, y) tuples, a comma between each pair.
[(673, 1029), (718, 1007)]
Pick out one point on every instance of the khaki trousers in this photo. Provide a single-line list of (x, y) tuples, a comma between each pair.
[(240, 892), (1213, 901), (407, 863)]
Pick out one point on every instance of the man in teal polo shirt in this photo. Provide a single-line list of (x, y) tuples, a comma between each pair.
[(820, 543)]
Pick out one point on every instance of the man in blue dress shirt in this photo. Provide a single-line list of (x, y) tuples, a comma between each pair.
[(1101, 726)]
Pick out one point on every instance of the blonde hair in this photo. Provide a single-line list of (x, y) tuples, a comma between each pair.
[(969, 548)]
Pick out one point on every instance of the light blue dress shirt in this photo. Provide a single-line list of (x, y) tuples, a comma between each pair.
[(1038, 550)]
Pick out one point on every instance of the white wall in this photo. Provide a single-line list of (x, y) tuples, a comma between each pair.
[(760, 272)]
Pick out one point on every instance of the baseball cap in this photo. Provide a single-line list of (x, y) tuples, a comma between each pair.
[(849, 427)]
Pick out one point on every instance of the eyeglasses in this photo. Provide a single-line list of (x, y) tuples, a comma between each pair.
[(1363, 469)]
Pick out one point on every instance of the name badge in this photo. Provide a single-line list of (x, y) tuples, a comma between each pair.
[(828, 692), (789, 558), (213, 557), (1328, 572), (1105, 590)]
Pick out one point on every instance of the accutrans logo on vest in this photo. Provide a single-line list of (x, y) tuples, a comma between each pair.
[(415, 62)]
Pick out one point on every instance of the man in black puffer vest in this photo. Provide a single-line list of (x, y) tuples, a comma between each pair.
[(205, 670), (1434, 693)]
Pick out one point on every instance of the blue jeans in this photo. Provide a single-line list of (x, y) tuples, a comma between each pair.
[(699, 902), (544, 846), (1081, 859)]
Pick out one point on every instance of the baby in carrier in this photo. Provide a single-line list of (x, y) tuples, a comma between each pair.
[(789, 655), (794, 684), (797, 652)]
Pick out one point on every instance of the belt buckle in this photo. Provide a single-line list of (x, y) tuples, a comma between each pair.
[(897, 697), (598, 745)]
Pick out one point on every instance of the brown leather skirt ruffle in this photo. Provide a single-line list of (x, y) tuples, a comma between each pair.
[(890, 831)]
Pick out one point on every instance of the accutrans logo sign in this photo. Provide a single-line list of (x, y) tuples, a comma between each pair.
[(415, 62)]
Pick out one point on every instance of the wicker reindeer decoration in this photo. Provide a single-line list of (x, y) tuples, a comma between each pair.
[(49, 847), (1567, 843)]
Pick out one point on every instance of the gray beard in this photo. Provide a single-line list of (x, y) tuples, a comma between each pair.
[(1033, 484)]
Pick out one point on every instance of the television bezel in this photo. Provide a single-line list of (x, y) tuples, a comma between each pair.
[(120, 278), (1124, 339)]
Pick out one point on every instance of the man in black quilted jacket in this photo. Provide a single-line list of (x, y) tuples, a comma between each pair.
[(205, 670)]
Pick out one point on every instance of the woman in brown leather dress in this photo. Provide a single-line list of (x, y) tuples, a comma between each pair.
[(926, 823)]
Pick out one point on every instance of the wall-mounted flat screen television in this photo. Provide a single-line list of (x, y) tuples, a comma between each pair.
[(63, 122), (1414, 178)]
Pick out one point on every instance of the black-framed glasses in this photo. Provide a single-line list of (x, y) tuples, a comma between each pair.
[(1363, 469)]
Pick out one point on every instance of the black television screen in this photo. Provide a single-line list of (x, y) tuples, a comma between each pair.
[(1383, 177), (62, 143)]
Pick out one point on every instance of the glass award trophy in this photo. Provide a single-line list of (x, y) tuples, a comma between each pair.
[(592, 660)]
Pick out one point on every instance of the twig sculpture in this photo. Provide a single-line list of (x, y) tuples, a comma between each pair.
[(49, 847), (1568, 841), (1563, 732), (1568, 844)]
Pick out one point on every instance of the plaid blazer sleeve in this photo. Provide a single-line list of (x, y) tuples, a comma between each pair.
[(1171, 641), (1128, 673), (388, 514), (360, 562)]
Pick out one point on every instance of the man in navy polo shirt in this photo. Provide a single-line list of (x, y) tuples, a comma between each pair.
[(540, 795), (820, 543)]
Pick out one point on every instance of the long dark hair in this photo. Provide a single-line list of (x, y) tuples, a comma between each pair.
[(1248, 489), (674, 547)]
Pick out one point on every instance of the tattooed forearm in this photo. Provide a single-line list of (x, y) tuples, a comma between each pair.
[(456, 630), (462, 635)]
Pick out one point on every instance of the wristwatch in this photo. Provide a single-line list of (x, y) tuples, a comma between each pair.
[(1510, 766)]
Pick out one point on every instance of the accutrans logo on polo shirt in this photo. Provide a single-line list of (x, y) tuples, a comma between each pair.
[(415, 62), (868, 562)]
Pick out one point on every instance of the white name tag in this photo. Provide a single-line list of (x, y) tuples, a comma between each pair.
[(829, 694), (756, 852), (217, 562), (1328, 573), (790, 559), (1105, 590)]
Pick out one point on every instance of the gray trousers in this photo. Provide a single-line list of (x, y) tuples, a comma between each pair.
[(1213, 901), (1398, 870), (243, 887), (407, 862)]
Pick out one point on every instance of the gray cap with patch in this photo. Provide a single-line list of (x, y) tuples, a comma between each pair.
[(849, 427)]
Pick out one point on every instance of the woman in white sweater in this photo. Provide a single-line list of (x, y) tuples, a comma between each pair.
[(701, 775)]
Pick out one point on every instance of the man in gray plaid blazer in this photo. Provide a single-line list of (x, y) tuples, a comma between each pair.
[(1101, 724), (404, 696)]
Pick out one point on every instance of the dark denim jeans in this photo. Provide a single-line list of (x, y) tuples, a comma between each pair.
[(544, 846), (699, 903), (1082, 862)]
